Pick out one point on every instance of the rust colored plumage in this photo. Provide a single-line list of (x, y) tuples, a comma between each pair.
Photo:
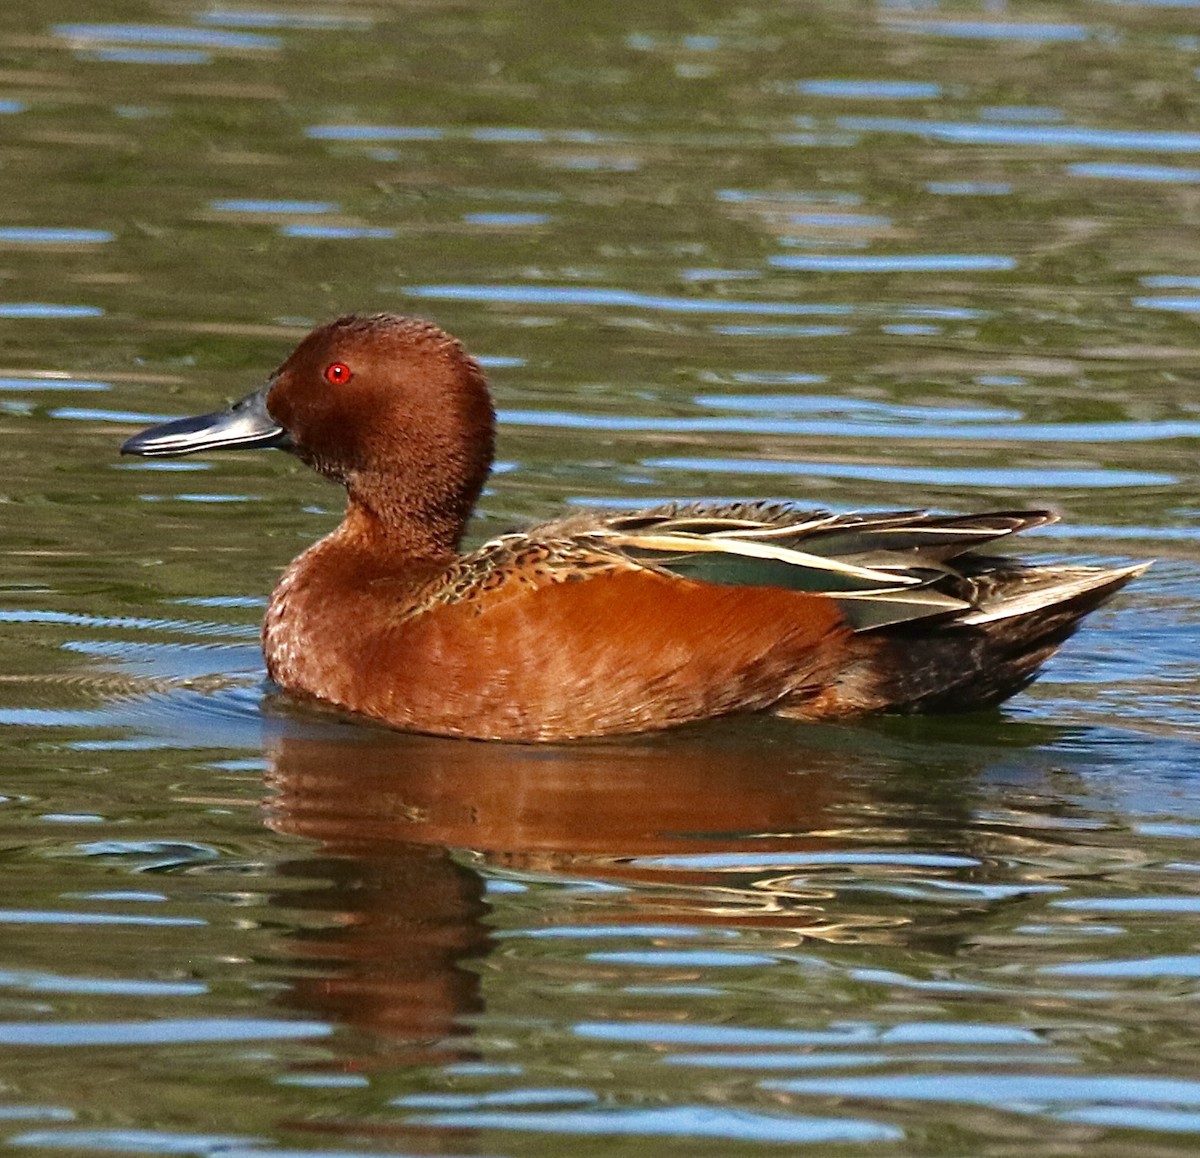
[(610, 623), (526, 656)]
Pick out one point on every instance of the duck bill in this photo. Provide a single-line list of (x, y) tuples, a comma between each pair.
[(245, 425)]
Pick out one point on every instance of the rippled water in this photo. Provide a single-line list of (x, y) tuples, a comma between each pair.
[(858, 255)]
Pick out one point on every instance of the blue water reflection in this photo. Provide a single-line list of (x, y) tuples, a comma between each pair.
[(981, 431), (904, 90), (977, 476), (1118, 172), (320, 21), (698, 1121), (47, 310), (47, 235), (969, 188), (1034, 1093), (596, 296), (830, 403), (992, 29), (143, 1141), (164, 1032), (506, 219), (256, 205), (147, 55), (1041, 136), (338, 232), (1175, 304), (145, 34), (373, 133), (892, 263)]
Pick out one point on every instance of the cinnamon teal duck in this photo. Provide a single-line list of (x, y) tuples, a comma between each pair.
[(598, 624)]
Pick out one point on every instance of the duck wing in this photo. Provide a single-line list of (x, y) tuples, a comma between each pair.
[(655, 617), (882, 568)]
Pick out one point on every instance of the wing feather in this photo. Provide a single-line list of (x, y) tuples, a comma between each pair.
[(881, 568), (685, 543)]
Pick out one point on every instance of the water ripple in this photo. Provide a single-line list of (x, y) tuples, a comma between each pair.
[(252, 205), (596, 296), (978, 476), (1174, 304), (661, 1033), (47, 310), (969, 188), (130, 1141), (374, 133), (994, 30), (1137, 968), (1030, 1091), (529, 1096), (124, 622), (1144, 904), (891, 263), (739, 861), (319, 21), (162, 34), (338, 232), (505, 220), (840, 404), (1055, 136), (1060, 432), (1118, 172), (828, 1060), (51, 235), (684, 958), (699, 1121), (33, 982), (43, 917), (147, 55), (165, 1031), (891, 90)]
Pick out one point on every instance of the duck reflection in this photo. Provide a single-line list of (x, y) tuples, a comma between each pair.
[(701, 828)]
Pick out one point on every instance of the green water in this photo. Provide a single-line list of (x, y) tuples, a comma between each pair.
[(859, 255)]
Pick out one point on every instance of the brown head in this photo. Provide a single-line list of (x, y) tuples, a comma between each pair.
[(391, 407)]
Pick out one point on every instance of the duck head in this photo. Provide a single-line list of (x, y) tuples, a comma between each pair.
[(391, 407)]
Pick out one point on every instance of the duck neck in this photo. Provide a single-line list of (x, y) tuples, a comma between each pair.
[(406, 534)]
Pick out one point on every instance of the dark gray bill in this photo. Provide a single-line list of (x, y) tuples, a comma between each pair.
[(245, 425)]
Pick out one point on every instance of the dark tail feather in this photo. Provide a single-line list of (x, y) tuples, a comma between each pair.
[(978, 660)]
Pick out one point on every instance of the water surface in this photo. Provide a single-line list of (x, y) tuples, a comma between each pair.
[(937, 255)]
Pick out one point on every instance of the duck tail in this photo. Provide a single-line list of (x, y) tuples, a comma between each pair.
[(972, 660), (1023, 615)]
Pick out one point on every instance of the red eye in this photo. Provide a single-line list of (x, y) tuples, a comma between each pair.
[(338, 373)]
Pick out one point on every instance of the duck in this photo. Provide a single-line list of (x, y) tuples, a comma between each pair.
[(601, 623)]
